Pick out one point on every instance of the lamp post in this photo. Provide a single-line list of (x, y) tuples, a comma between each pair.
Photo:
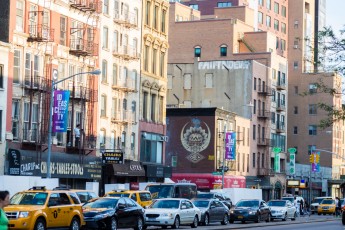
[(50, 120), (223, 164)]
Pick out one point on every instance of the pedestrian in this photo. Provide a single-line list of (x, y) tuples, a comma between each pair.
[(4, 201), (77, 135), (301, 207), (337, 206), (297, 205)]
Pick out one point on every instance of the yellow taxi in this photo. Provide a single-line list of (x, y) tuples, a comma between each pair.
[(141, 197), (39, 209), (327, 206)]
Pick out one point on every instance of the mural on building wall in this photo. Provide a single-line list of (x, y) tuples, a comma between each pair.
[(191, 143)]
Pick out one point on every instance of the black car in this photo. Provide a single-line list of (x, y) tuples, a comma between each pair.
[(113, 213), (215, 195), (212, 211), (250, 210)]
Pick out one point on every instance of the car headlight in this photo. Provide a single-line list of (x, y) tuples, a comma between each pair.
[(252, 212), (102, 216), (167, 214), (23, 214), (231, 211)]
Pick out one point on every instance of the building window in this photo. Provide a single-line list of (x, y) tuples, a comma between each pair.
[(273, 95), (295, 110), (104, 71), (194, 6), (260, 17), (187, 81), (273, 117), (197, 52), (134, 110), (268, 21), (114, 109), (312, 130), (161, 109), (261, 2), (16, 67), (63, 29), (123, 140), (283, 11), (114, 74), (105, 38), (263, 160), (152, 150), (276, 25), (313, 109), (254, 160), (283, 28), (15, 118), (153, 107), (163, 22), (254, 132), (146, 60), (254, 106), (102, 138), (209, 81), (296, 89), (312, 88), (154, 61), (295, 64), (1, 76), (132, 142), (276, 7), (145, 105), (283, 44), (106, 6), (103, 105), (155, 17), (224, 4), (223, 51), (268, 4), (162, 64), (295, 130), (311, 149), (147, 16), (19, 16)]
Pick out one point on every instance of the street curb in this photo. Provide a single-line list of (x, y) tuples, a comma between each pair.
[(277, 223)]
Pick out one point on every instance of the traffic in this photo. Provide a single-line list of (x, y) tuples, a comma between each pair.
[(163, 205)]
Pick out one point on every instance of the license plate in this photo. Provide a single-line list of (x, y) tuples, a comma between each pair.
[(240, 217)]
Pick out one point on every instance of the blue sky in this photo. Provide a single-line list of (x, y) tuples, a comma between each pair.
[(335, 16)]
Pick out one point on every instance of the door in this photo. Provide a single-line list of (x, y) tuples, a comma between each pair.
[(132, 212), (54, 214), (121, 210), (66, 209), (184, 214), (213, 212), (191, 211)]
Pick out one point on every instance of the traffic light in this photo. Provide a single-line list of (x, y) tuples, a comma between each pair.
[(311, 158), (317, 158)]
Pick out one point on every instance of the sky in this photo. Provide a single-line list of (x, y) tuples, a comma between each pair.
[(335, 16)]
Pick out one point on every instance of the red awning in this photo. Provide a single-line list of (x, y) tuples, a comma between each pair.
[(210, 181)]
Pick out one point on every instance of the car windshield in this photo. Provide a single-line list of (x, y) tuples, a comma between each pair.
[(102, 203), (317, 200), (117, 195), (201, 203), (161, 191), (205, 195), (291, 199), (248, 203), (29, 198), (328, 201), (276, 203), (170, 204)]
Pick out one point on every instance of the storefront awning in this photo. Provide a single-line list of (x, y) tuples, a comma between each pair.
[(210, 181), (132, 168)]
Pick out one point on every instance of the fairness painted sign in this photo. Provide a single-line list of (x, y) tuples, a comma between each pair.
[(230, 146), (228, 65), (60, 110)]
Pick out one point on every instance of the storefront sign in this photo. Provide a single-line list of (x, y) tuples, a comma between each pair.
[(132, 168), (292, 165), (60, 110), (230, 146), (112, 158), (276, 151), (62, 165), (293, 183), (14, 161)]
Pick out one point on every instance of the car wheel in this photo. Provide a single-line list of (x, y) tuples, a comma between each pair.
[(40, 224), (268, 218), (285, 217), (140, 224), (312, 212), (243, 221), (112, 224), (294, 216), (195, 222), (319, 214), (231, 221), (207, 220), (225, 220), (258, 219), (75, 224), (176, 224)]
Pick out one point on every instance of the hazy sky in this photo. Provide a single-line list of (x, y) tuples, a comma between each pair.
[(335, 16)]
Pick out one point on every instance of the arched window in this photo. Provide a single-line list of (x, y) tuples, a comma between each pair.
[(197, 51), (223, 50), (123, 140)]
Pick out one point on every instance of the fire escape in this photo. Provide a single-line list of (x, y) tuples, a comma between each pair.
[(37, 86)]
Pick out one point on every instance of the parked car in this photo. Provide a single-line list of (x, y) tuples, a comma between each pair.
[(316, 202), (250, 210), (113, 213), (172, 190), (327, 206), (215, 195), (282, 209), (141, 197), (212, 210), (172, 212)]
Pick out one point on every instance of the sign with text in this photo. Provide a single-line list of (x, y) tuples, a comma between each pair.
[(112, 158), (60, 110), (230, 146), (14, 162), (292, 163), (277, 151)]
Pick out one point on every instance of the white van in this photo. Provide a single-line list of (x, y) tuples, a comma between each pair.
[(316, 202)]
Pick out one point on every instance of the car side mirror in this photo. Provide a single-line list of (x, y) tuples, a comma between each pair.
[(212, 206), (121, 206)]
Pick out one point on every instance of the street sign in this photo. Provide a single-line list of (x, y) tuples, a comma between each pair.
[(276, 151), (216, 173)]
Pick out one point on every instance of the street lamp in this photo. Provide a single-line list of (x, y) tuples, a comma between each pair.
[(50, 120)]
